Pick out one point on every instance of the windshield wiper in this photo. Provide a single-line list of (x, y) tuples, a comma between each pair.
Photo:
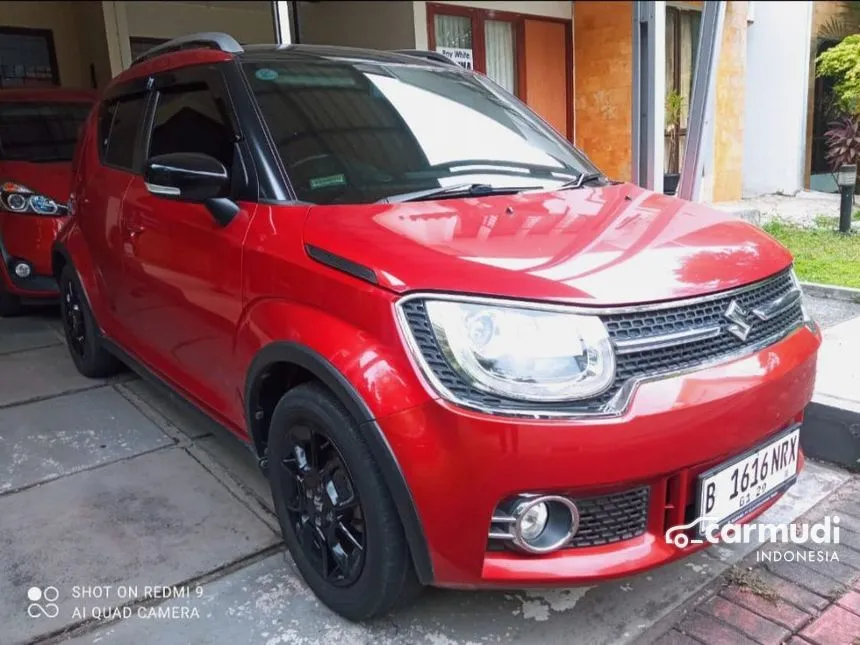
[(581, 180), (468, 190)]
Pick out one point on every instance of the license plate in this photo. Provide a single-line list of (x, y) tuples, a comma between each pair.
[(731, 490)]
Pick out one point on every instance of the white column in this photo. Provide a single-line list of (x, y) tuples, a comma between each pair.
[(117, 33), (649, 93), (283, 14), (700, 120)]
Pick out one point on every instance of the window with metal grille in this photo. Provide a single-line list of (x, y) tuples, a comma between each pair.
[(27, 58)]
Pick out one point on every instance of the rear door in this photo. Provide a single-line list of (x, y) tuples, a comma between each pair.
[(183, 270), (104, 175)]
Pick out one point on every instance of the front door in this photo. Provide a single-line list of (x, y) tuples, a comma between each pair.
[(183, 270)]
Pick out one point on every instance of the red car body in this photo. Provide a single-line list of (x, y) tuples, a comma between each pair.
[(30, 236), (315, 290)]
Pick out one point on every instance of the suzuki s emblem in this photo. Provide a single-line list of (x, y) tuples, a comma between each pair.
[(737, 315)]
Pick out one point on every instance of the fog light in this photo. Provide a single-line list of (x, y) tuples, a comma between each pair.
[(23, 270), (544, 524), (533, 521)]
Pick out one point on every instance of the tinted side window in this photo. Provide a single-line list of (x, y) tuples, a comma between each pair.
[(121, 139), (192, 120), (105, 121)]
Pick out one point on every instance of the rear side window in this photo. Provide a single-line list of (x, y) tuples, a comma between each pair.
[(120, 123), (192, 120), (40, 132)]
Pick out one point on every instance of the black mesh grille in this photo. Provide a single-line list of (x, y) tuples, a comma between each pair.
[(626, 326), (611, 518), (602, 520)]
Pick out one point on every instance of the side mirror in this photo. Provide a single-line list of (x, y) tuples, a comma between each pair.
[(192, 177), (186, 176)]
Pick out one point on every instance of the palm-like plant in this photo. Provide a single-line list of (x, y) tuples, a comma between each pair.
[(843, 24), (843, 142)]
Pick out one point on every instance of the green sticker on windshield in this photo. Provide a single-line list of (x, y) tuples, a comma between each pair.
[(266, 74), (330, 180)]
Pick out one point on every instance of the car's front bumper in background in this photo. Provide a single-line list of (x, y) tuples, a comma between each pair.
[(28, 238), (460, 464)]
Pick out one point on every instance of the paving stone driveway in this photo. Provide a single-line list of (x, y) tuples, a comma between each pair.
[(113, 488)]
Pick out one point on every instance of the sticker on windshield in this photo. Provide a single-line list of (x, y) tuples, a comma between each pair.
[(266, 74), (330, 180)]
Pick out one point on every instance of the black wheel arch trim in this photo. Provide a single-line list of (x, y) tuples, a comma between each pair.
[(328, 374)]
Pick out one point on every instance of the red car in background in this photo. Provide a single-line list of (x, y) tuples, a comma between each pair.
[(38, 132)]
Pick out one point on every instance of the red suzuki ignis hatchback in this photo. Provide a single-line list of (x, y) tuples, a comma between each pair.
[(463, 356), (38, 131)]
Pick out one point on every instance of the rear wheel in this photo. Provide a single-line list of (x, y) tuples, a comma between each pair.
[(82, 335), (336, 514), (10, 304)]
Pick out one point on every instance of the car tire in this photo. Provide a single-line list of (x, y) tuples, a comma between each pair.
[(83, 338), (358, 584), (10, 304)]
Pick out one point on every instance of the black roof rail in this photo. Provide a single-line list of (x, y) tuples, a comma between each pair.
[(427, 54), (206, 39)]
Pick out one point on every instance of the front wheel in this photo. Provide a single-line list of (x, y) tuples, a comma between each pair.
[(10, 304), (82, 335), (336, 514)]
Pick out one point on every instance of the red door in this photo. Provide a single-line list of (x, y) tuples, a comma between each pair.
[(182, 270), (183, 285)]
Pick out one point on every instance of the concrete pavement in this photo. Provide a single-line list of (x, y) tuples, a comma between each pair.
[(119, 484)]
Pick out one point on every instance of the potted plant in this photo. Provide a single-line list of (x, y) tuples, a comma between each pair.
[(674, 106), (842, 63)]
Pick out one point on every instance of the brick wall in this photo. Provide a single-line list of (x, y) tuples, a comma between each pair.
[(603, 83), (729, 107)]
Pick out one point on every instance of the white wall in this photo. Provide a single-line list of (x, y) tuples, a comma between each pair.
[(247, 22), (776, 97), (357, 23), (550, 9)]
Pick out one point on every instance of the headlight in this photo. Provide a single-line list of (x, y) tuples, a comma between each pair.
[(524, 352), (796, 282), (20, 200)]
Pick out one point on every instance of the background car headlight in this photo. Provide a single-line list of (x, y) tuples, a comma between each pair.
[(807, 318), (20, 200), (524, 353)]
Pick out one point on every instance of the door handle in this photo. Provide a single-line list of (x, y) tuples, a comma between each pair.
[(134, 228)]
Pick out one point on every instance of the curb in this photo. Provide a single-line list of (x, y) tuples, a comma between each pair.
[(831, 432), (846, 294)]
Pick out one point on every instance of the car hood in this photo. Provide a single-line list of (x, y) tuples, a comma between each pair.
[(612, 245), (53, 179)]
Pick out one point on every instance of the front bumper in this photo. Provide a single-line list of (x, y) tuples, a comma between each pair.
[(28, 238), (460, 464)]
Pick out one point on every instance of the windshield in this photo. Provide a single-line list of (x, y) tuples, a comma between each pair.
[(40, 131), (357, 132)]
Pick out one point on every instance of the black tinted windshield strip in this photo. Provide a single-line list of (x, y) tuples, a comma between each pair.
[(41, 131), (342, 264), (357, 131)]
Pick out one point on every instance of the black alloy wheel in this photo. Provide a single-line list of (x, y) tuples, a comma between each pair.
[(323, 506), (73, 319), (82, 334), (336, 513)]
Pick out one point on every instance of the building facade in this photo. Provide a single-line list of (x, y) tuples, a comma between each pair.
[(570, 61)]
